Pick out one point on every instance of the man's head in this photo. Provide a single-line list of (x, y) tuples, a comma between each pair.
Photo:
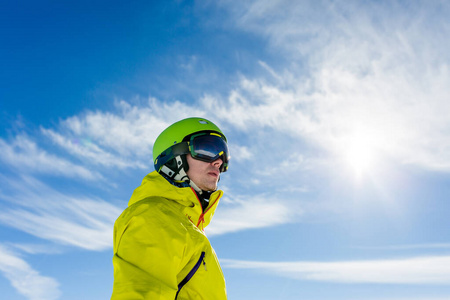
[(192, 152)]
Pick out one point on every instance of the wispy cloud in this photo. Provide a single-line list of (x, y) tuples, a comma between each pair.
[(251, 213), (27, 281), (417, 270), (409, 247), (24, 154), (35, 248), (123, 138), (48, 214), (87, 149), (370, 75), (406, 298)]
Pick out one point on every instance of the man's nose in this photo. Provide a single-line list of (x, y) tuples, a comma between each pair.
[(217, 163)]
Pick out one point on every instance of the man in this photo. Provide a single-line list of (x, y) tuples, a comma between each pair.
[(160, 249)]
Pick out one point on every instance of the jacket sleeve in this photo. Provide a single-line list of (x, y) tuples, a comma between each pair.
[(149, 252)]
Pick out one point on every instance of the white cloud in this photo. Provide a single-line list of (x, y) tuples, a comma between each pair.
[(408, 298), (123, 138), (35, 248), (378, 71), (411, 246), (292, 163), (239, 153), (69, 220), (257, 104), (251, 213), (89, 150), (418, 270), (24, 154), (27, 281)]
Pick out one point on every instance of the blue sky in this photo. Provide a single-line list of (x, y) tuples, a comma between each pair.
[(336, 114)]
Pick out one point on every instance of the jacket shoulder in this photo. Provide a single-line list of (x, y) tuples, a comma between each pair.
[(152, 208)]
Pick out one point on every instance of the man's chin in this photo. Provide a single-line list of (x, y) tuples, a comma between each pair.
[(211, 188)]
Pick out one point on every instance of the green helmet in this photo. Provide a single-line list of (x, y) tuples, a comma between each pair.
[(189, 136)]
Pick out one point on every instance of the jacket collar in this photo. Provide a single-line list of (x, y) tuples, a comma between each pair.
[(155, 185)]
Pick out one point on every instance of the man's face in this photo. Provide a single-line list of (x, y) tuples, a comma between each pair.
[(205, 175)]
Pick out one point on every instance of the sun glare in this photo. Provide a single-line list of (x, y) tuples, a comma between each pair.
[(359, 153), (359, 157)]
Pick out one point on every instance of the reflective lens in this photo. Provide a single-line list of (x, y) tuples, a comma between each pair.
[(208, 148)]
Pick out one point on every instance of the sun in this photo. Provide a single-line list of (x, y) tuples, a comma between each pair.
[(359, 152), (359, 157)]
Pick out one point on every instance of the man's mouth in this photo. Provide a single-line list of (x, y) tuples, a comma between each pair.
[(214, 173)]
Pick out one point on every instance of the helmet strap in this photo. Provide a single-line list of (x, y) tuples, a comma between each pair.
[(175, 171), (195, 187)]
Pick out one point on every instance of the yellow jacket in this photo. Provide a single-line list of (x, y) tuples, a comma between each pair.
[(160, 249)]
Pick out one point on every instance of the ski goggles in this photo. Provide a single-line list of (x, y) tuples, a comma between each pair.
[(206, 147), (209, 147)]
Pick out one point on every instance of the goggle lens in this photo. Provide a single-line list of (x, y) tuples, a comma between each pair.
[(209, 148)]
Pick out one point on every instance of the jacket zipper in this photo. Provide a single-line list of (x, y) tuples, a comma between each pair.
[(191, 273), (202, 215), (201, 219)]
